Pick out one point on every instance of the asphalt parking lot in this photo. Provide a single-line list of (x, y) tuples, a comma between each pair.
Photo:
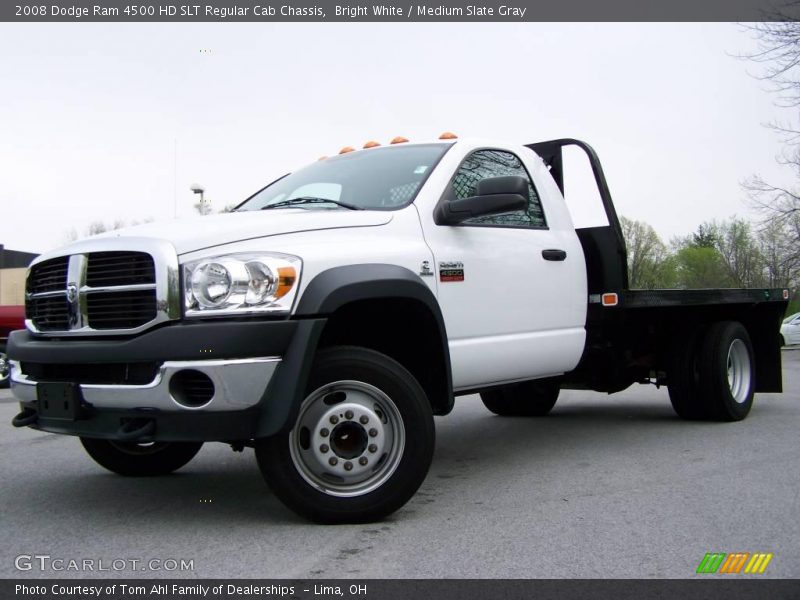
[(604, 487)]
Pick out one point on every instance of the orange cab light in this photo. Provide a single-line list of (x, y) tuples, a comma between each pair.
[(371, 144), (322, 158), (286, 279), (399, 140), (610, 299), (448, 135), (347, 149)]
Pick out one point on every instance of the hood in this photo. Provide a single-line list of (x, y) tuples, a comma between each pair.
[(188, 235)]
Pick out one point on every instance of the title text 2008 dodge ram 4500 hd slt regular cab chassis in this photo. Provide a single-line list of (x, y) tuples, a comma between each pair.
[(328, 318)]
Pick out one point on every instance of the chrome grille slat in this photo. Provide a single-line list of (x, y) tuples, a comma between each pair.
[(48, 276)]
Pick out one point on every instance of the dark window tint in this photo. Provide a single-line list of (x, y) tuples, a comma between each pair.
[(496, 163)]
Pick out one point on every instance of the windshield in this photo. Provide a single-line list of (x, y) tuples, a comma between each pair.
[(376, 179)]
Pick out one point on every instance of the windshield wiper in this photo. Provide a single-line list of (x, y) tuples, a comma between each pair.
[(310, 200)]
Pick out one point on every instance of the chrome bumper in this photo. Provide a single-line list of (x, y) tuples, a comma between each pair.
[(238, 384)]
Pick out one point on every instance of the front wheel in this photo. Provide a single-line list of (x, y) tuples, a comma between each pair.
[(362, 442), (140, 460)]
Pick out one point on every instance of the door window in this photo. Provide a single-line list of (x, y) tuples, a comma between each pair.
[(483, 164)]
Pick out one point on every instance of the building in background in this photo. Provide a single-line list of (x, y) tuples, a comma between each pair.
[(13, 266)]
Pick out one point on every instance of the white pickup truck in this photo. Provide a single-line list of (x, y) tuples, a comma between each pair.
[(333, 313)]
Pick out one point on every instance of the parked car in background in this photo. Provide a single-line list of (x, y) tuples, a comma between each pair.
[(11, 318), (790, 330)]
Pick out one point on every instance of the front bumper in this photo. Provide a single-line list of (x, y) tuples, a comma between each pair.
[(255, 387)]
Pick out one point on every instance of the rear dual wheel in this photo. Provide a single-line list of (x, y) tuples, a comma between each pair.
[(712, 376)]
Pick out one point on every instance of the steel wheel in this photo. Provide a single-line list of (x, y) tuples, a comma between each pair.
[(739, 375), (348, 438), (361, 444)]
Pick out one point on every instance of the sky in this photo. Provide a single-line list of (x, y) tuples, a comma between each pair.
[(107, 122)]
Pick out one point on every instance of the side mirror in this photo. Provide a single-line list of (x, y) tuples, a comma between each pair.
[(495, 195)]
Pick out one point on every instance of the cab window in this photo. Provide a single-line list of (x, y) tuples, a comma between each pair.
[(483, 164)]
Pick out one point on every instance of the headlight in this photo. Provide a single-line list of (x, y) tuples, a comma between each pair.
[(237, 283)]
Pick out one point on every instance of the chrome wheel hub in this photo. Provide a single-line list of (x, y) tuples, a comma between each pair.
[(348, 439), (739, 371)]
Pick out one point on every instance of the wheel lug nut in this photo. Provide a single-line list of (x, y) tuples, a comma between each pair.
[(324, 448), (373, 432), (324, 432), (373, 448), (364, 419), (363, 461), (348, 466), (348, 414), (334, 420), (332, 461)]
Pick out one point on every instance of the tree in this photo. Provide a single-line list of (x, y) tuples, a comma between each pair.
[(701, 267), (705, 236), (778, 57), (740, 253), (780, 261), (650, 265)]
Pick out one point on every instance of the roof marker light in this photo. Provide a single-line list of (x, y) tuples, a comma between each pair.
[(448, 135), (371, 144), (399, 140), (322, 158), (347, 149)]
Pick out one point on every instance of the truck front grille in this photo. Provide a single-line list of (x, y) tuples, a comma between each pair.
[(119, 268), (48, 276), (116, 291), (49, 313), (121, 310)]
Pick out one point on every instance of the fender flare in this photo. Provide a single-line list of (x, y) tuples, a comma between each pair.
[(325, 293)]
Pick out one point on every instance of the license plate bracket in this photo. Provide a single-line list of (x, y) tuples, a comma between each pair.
[(57, 400)]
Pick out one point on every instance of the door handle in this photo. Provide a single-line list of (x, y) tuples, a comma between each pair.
[(554, 254)]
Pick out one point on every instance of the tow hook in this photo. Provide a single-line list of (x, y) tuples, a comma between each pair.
[(27, 417), (135, 429)]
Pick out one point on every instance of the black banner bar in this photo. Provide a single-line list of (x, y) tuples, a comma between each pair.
[(188, 11), (713, 588)]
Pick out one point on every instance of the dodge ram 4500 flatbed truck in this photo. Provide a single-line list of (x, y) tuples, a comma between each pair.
[(333, 313)]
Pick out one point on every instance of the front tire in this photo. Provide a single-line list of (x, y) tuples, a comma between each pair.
[(141, 460), (362, 443), (528, 399)]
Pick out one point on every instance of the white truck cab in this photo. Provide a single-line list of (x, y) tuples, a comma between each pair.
[(328, 318)]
